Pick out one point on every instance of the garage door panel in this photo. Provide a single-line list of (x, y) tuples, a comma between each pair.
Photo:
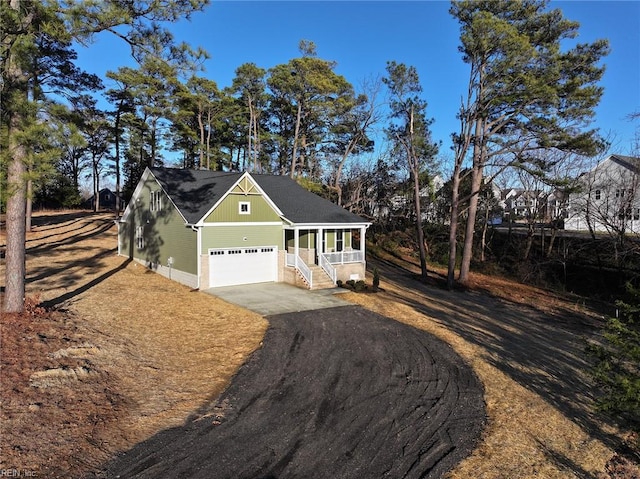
[(231, 266)]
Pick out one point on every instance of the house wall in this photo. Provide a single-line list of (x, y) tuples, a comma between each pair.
[(345, 271), (229, 236), (228, 210), (165, 235), (610, 200)]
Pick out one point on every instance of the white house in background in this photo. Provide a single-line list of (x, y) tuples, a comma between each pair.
[(609, 200)]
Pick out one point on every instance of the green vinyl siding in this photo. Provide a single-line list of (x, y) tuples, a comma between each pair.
[(165, 232), (228, 210), (241, 236)]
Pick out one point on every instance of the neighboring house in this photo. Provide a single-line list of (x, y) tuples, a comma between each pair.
[(555, 206), (609, 199), (207, 229), (107, 200), (404, 204), (521, 203), (543, 205)]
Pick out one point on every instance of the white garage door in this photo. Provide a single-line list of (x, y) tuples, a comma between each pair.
[(229, 266)]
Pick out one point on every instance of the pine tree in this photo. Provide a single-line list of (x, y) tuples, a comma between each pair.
[(617, 363), (524, 93), (24, 22), (409, 132)]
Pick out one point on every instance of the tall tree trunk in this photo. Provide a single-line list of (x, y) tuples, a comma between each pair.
[(419, 230), (476, 183), (209, 140), (294, 155), (117, 159), (552, 239), (529, 242), (453, 226), (152, 158), (28, 205), (15, 271), (96, 182), (350, 146), (15, 265), (201, 128), (250, 133), (485, 226)]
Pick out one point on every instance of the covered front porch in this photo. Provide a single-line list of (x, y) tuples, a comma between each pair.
[(324, 254)]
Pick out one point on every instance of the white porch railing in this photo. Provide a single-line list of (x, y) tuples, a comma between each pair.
[(328, 268), (342, 257), (301, 266)]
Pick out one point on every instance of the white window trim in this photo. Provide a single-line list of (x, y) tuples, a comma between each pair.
[(155, 201), (247, 204), (140, 237), (339, 240)]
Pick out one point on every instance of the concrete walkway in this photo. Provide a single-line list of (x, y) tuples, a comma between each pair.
[(278, 298)]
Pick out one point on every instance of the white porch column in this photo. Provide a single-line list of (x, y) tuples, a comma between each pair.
[(363, 230), (320, 233), (296, 244)]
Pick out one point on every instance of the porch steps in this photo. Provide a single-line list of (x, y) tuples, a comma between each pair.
[(320, 279)]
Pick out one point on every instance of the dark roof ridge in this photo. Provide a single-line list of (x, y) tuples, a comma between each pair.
[(631, 162)]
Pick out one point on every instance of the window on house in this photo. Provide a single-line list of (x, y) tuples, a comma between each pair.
[(636, 214), (339, 240), (140, 237), (244, 208), (155, 201)]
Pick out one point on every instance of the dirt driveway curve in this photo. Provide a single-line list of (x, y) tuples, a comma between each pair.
[(340, 392)]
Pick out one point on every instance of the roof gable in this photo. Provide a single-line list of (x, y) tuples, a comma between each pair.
[(629, 162), (300, 206), (196, 193)]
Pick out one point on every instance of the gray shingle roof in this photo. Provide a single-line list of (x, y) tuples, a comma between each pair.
[(300, 205), (630, 162), (194, 192)]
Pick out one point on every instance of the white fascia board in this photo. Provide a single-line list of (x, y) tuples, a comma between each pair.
[(167, 195), (241, 223), (136, 193), (246, 174), (305, 226)]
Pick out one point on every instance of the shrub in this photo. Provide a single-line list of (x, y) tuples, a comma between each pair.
[(376, 279), (617, 363)]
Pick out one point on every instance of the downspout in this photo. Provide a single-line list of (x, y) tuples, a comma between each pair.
[(117, 222), (198, 249)]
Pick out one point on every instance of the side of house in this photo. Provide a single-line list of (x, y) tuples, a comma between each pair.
[(210, 229), (153, 232), (609, 200)]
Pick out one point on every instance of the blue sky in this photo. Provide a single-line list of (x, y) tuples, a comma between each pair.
[(361, 36)]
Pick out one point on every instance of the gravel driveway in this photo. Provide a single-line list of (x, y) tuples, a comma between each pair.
[(332, 393)]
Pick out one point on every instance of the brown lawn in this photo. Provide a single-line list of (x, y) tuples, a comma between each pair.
[(121, 353)]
